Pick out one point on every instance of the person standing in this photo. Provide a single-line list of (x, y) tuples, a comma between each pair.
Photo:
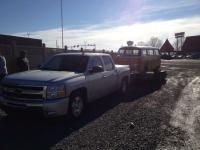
[(3, 67), (22, 62)]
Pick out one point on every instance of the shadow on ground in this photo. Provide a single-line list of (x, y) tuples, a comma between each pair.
[(32, 133)]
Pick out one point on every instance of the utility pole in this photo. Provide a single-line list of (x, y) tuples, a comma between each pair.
[(56, 44), (28, 34), (61, 20), (85, 44)]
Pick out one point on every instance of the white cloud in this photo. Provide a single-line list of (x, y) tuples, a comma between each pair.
[(148, 9), (114, 37), (167, 5)]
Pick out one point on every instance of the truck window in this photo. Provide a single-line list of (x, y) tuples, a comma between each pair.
[(53, 63), (108, 63), (95, 61)]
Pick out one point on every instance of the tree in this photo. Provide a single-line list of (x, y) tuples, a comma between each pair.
[(141, 43), (155, 42)]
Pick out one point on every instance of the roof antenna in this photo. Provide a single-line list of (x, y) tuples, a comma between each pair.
[(130, 43)]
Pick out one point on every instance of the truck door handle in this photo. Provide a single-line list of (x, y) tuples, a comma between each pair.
[(104, 76)]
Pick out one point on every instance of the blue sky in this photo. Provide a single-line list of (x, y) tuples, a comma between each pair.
[(42, 17), (27, 15)]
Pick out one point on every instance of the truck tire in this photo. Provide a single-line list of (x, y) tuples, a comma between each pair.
[(124, 87), (77, 105)]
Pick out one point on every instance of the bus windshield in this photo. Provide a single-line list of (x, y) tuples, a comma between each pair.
[(134, 52)]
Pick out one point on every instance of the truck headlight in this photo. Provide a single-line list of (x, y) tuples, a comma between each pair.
[(57, 91)]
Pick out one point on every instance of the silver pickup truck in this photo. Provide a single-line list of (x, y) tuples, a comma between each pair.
[(64, 84)]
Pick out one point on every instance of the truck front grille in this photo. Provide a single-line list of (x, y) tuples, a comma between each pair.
[(23, 93)]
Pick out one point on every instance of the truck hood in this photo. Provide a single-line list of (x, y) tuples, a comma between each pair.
[(40, 76)]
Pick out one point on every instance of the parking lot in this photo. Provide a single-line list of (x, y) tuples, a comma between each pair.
[(153, 115)]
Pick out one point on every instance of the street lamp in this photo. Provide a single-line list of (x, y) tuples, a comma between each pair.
[(61, 20)]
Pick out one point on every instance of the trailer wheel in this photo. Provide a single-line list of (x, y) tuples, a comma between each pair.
[(156, 70), (124, 86)]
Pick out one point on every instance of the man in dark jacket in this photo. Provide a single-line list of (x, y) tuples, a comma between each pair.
[(22, 62)]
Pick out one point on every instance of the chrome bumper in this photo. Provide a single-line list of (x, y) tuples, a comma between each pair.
[(50, 108)]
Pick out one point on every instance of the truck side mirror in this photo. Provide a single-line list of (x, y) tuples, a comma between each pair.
[(96, 69)]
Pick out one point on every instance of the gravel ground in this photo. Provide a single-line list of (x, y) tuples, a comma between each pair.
[(151, 116)]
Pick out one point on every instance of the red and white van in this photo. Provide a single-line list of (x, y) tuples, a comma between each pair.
[(141, 59)]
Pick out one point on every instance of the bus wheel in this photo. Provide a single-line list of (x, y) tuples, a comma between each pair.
[(156, 70)]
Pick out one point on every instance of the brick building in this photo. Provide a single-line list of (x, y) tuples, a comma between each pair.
[(10, 46), (167, 48), (191, 45), (19, 41)]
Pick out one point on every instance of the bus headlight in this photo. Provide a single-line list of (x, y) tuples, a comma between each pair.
[(57, 91)]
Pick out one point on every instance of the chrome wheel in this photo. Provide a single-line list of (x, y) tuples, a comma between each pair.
[(77, 106)]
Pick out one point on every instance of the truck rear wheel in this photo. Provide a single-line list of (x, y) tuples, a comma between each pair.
[(124, 87)]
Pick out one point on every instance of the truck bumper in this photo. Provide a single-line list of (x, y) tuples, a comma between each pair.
[(48, 108)]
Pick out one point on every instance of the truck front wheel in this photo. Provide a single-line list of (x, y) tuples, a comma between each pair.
[(76, 105)]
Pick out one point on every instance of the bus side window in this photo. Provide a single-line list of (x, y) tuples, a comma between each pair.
[(136, 52), (150, 52), (129, 52), (156, 52), (144, 52), (121, 51)]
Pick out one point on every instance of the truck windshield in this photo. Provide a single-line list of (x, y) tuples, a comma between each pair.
[(74, 63)]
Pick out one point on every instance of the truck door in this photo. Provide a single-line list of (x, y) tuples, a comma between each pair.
[(95, 81), (110, 75)]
